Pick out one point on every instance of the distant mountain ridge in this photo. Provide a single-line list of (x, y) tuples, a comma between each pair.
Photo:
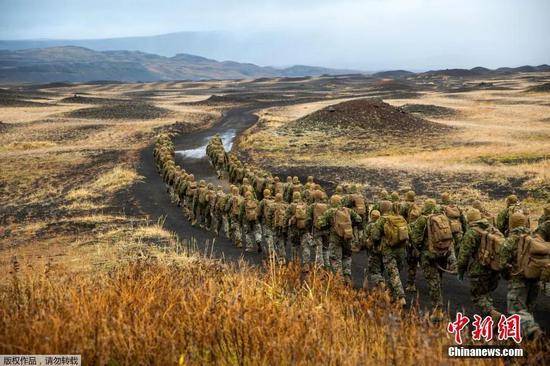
[(79, 64), (473, 72)]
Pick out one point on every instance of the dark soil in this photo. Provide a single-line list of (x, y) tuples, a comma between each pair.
[(78, 99), (372, 115), (429, 110), (126, 110), (9, 98), (542, 88)]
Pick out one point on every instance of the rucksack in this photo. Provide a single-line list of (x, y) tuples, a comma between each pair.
[(260, 185), (236, 205), (513, 209), (318, 210), (533, 256), (342, 223), (300, 213), (440, 235), (453, 214), (191, 188), (251, 209), (279, 188), (279, 213), (296, 188), (489, 248), (359, 204), (414, 212), (202, 195), (396, 230)]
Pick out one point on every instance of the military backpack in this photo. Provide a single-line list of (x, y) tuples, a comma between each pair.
[(236, 204), (318, 210), (342, 223), (533, 257), (300, 214), (396, 230), (191, 188), (414, 212), (489, 247), (359, 204), (440, 235), (203, 195), (251, 209), (279, 213)]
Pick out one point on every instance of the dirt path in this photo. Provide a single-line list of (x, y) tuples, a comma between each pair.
[(154, 202)]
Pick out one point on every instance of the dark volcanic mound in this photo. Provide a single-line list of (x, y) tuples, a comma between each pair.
[(127, 110), (429, 110), (371, 115), (542, 88), (10, 98), (78, 99)]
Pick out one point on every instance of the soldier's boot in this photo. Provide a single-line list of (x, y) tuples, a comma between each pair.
[(401, 302)]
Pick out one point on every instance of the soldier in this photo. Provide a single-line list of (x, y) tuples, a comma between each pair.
[(216, 211), (457, 219), (373, 274), (340, 220), (503, 218), (249, 216), (396, 202), (382, 195), (319, 237), (298, 225), (356, 201), (278, 186), (266, 221), (480, 245), (189, 189), (391, 234), (233, 207), (200, 203), (279, 225), (483, 211), (210, 207), (410, 210), (543, 227), (246, 187), (523, 279), (431, 235), (310, 183)]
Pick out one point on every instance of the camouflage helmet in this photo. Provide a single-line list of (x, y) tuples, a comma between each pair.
[(310, 179), (296, 196), (374, 215), (295, 180), (518, 219), (383, 194), (276, 179), (473, 215), (385, 206), (245, 180), (210, 186), (279, 197), (445, 197), (394, 197), (191, 177), (202, 183), (353, 188), (267, 192), (289, 179), (248, 194), (477, 205), (429, 204), (410, 196), (339, 189), (234, 190), (219, 188), (335, 200), (511, 200)]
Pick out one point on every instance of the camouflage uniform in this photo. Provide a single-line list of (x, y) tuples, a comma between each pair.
[(319, 241), (504, 216), (484, 213), (392, 257), (233, 207), (251, 227), (447, 205), (373, 273), (297, 237), (356, 201), (215, 212), (408, 210), (483, 279), (431, 263), (266, 222), (279, 228), (522, 292), (340, 248)]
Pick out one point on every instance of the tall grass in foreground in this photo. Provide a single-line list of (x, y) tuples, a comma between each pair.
[(204, 312)]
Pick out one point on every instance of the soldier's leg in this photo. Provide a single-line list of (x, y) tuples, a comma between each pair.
[(308, 249), (269, 242), (318, 251), (280, 246), (433, 280), (258, 235), (412, 266), (481, 288), (237, 235), (335, 255), (325, 248), (248, 231), (346, 260), (518, 303), (391, 265), (374, 272)]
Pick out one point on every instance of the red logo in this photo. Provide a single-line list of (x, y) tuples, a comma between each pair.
[(508, 328)]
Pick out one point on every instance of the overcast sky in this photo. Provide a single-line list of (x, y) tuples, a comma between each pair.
[(367, 34)]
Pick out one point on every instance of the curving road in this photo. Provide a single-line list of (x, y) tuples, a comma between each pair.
[(154, 202)]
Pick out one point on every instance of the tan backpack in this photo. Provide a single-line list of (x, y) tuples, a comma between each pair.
[(533, 256), (191, 189), (203, 195), (279, 213), (279, 188), (359, 204), (342, 223), (440, 235), (453, 214), (236, 205), (396, 230), (251, 209), (300, 213), (489, 247), (318, 210)]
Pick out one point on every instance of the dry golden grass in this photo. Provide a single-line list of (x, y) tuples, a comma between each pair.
[(192, 311)]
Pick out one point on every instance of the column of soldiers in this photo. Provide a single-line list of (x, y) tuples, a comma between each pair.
[(266, 214)]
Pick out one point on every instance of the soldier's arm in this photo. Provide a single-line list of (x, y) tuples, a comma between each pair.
[(501, 219), (377, 231), (356, 218), (506, 256), (417, 231), (323, 222), (467, 248)]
